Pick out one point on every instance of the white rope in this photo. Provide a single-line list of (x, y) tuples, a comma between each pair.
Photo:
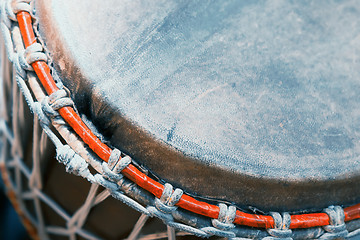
[(138, 226)]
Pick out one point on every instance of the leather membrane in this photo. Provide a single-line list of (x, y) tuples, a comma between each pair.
[(252, 103)]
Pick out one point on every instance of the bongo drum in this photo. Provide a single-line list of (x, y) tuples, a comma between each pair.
[(228, 119)]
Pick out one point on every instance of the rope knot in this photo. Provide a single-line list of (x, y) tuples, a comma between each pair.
[(168, 199), (16, 6), (60, 99), (165, 206), (33, 53), (337, 228), (225, 218), (282, 224), (224, 223), (74, 163), (47, 109), (115, 165), (50, 105), (9, 10), (111, 186)]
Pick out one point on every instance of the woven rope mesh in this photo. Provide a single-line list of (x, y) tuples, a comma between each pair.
[(54, 204)]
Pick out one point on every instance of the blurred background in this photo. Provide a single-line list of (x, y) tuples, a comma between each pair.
[(10, 225)]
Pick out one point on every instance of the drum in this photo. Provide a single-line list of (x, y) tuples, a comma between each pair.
[(211, 119)]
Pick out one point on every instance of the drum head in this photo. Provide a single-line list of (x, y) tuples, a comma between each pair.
[(255, 103)]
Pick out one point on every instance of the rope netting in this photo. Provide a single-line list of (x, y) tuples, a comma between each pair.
[(110, 172)]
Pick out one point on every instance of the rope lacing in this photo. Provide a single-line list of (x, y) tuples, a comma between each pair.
[(337, 228), (282, 223)]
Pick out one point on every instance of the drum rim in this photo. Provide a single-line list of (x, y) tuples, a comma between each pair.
[(25, 20)]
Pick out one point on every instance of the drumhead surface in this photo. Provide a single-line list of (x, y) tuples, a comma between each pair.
[(253, 103)]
